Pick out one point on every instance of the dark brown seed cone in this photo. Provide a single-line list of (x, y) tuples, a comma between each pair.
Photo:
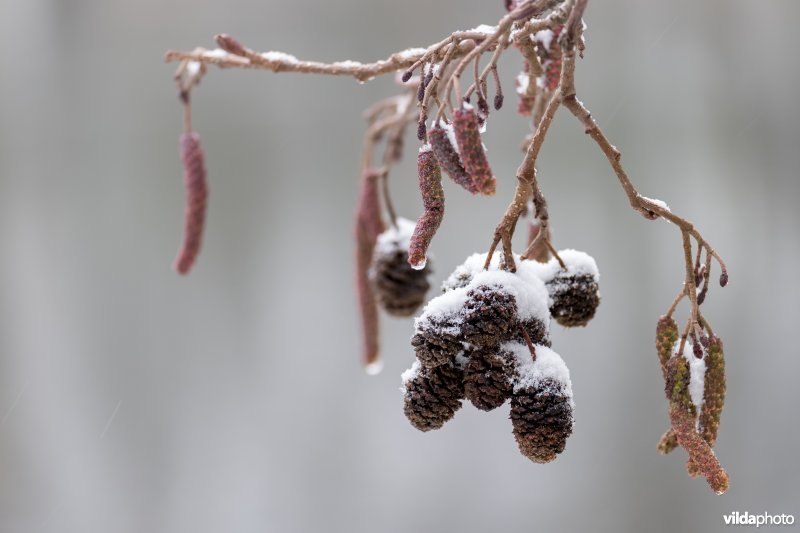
[(575, 299), (489, 315), (487, 378), (666, 337), (456, 281), (542, 420), (400, 289), (536, 330), (433, 396), (436, 343), (714, 391)]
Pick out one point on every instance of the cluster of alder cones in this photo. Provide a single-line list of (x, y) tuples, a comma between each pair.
[(486, 339)]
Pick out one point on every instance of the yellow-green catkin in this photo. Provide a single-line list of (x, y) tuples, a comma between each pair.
[(714, 393), (666, 337)]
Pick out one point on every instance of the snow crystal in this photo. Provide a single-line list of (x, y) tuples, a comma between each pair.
[(545, 37), (485, 29), (217, 53), (522, 82), (425, 148), (279, 56), (697, 374), (451, 136), (578, 263), (410, 374), (466, 270), (447, 306), (395, 238), (347, 64), (548, 365), (660, 203), (193, 68), (411, 53)]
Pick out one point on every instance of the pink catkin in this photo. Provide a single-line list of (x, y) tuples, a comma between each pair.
[(430, 186), (468, 136), (368, 226), (448, 158), (701, 456), (194, 179)]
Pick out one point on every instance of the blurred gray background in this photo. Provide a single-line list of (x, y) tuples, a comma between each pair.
[(233, 400)]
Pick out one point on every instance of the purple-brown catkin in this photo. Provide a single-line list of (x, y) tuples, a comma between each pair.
[(468, 136), (430, 185), (368, 226), (194, 179), (448, 158), (700, 453)]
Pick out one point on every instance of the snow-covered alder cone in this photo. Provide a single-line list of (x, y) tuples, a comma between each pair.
[(486, 338)]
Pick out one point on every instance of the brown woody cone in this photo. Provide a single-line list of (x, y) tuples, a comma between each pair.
[(536, 330), (542, 420), (489, 315), (488, 378), (714, 392), (575, 299), (432, 396), (400, 289), (456, 280), (436, 342)]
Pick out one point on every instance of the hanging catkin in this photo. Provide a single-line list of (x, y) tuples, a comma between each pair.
[(194, 179)]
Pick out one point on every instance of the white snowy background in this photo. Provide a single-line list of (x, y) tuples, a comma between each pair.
[(233, 401)]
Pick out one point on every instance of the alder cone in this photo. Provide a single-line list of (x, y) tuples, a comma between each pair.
[(433, 396), (436, 342), (536, 329), (487, 379), (400, 289), (542, 420), (489, 315), (575, 299)]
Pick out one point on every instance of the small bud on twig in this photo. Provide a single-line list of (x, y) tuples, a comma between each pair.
[(229, 44), (498, 101)]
